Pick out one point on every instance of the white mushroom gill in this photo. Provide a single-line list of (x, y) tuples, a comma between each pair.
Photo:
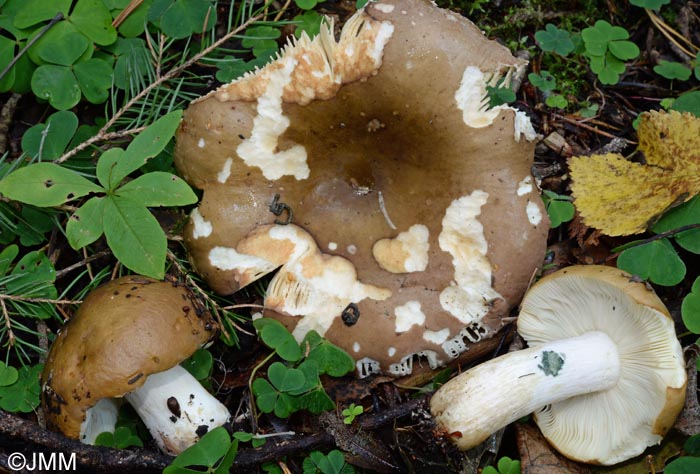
[(176, 409), (100, 418), (651, 367), (462, 236)]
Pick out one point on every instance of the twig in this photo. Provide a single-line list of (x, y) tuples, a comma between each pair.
[(60, 273), (669, 33), (102, 133), (29, 299), (8, 111), (662, 235), (282, 10), (586, 127), (128, 10), (8, 324), (190, 281), (30, 43)]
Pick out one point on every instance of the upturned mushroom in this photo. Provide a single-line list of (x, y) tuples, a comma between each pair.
[(125, 341), (396, 206), (604, 373)]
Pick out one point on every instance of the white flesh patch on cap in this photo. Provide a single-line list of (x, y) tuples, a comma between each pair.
[(391, 352), (201, 143), (405, 365), (468, 298), (356, 347), (227, 258), (200, 227), (366, 367), (407, 315), (384, 8), (533, 213), (407, 252), (523, 126), (324, 64), (261, 148), (225, 172), (471, 334), (315, 286), (525, 186), (473, 101), (436, 337)]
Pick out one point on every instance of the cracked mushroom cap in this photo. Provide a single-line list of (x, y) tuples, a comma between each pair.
[(608, 426), (411, 203), (124, 331)]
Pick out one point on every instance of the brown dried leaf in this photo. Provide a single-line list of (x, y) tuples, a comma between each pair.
[(622, 197), (538, 457)]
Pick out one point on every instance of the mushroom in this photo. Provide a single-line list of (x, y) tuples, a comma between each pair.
[(604, 372), (126, 340), (397, 208)]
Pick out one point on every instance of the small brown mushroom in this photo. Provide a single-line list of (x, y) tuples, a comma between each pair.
[(407, 200), (126, 340)]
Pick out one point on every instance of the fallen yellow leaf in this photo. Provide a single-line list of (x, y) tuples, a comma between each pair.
[(622, 197)]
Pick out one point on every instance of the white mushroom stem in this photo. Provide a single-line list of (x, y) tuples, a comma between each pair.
[(488, 397), (100, 418), (176, 409)]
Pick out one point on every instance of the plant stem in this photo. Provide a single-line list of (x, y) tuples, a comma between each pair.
[(662, 235), (102, 134), (54, 20), (8, 324)]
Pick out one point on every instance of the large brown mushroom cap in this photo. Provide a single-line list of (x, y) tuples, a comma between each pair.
[(124, 331), (410, 200)]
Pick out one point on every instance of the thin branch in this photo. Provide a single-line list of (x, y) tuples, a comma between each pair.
[(29, 299), (128, 10), (30, 43), (60, 273), (100, 136), (669, 33), (662, 235), (8, 324), (190, 281)]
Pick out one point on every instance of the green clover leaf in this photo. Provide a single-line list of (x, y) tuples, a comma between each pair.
[(552, 39), (673, 70), (656, 261), (182, 18), (690, 308)]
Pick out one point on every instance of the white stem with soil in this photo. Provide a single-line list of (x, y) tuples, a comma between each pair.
[(488, 397), (176, 409)]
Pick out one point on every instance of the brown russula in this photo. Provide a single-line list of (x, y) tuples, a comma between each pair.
[(413, 211), (126, 333)]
